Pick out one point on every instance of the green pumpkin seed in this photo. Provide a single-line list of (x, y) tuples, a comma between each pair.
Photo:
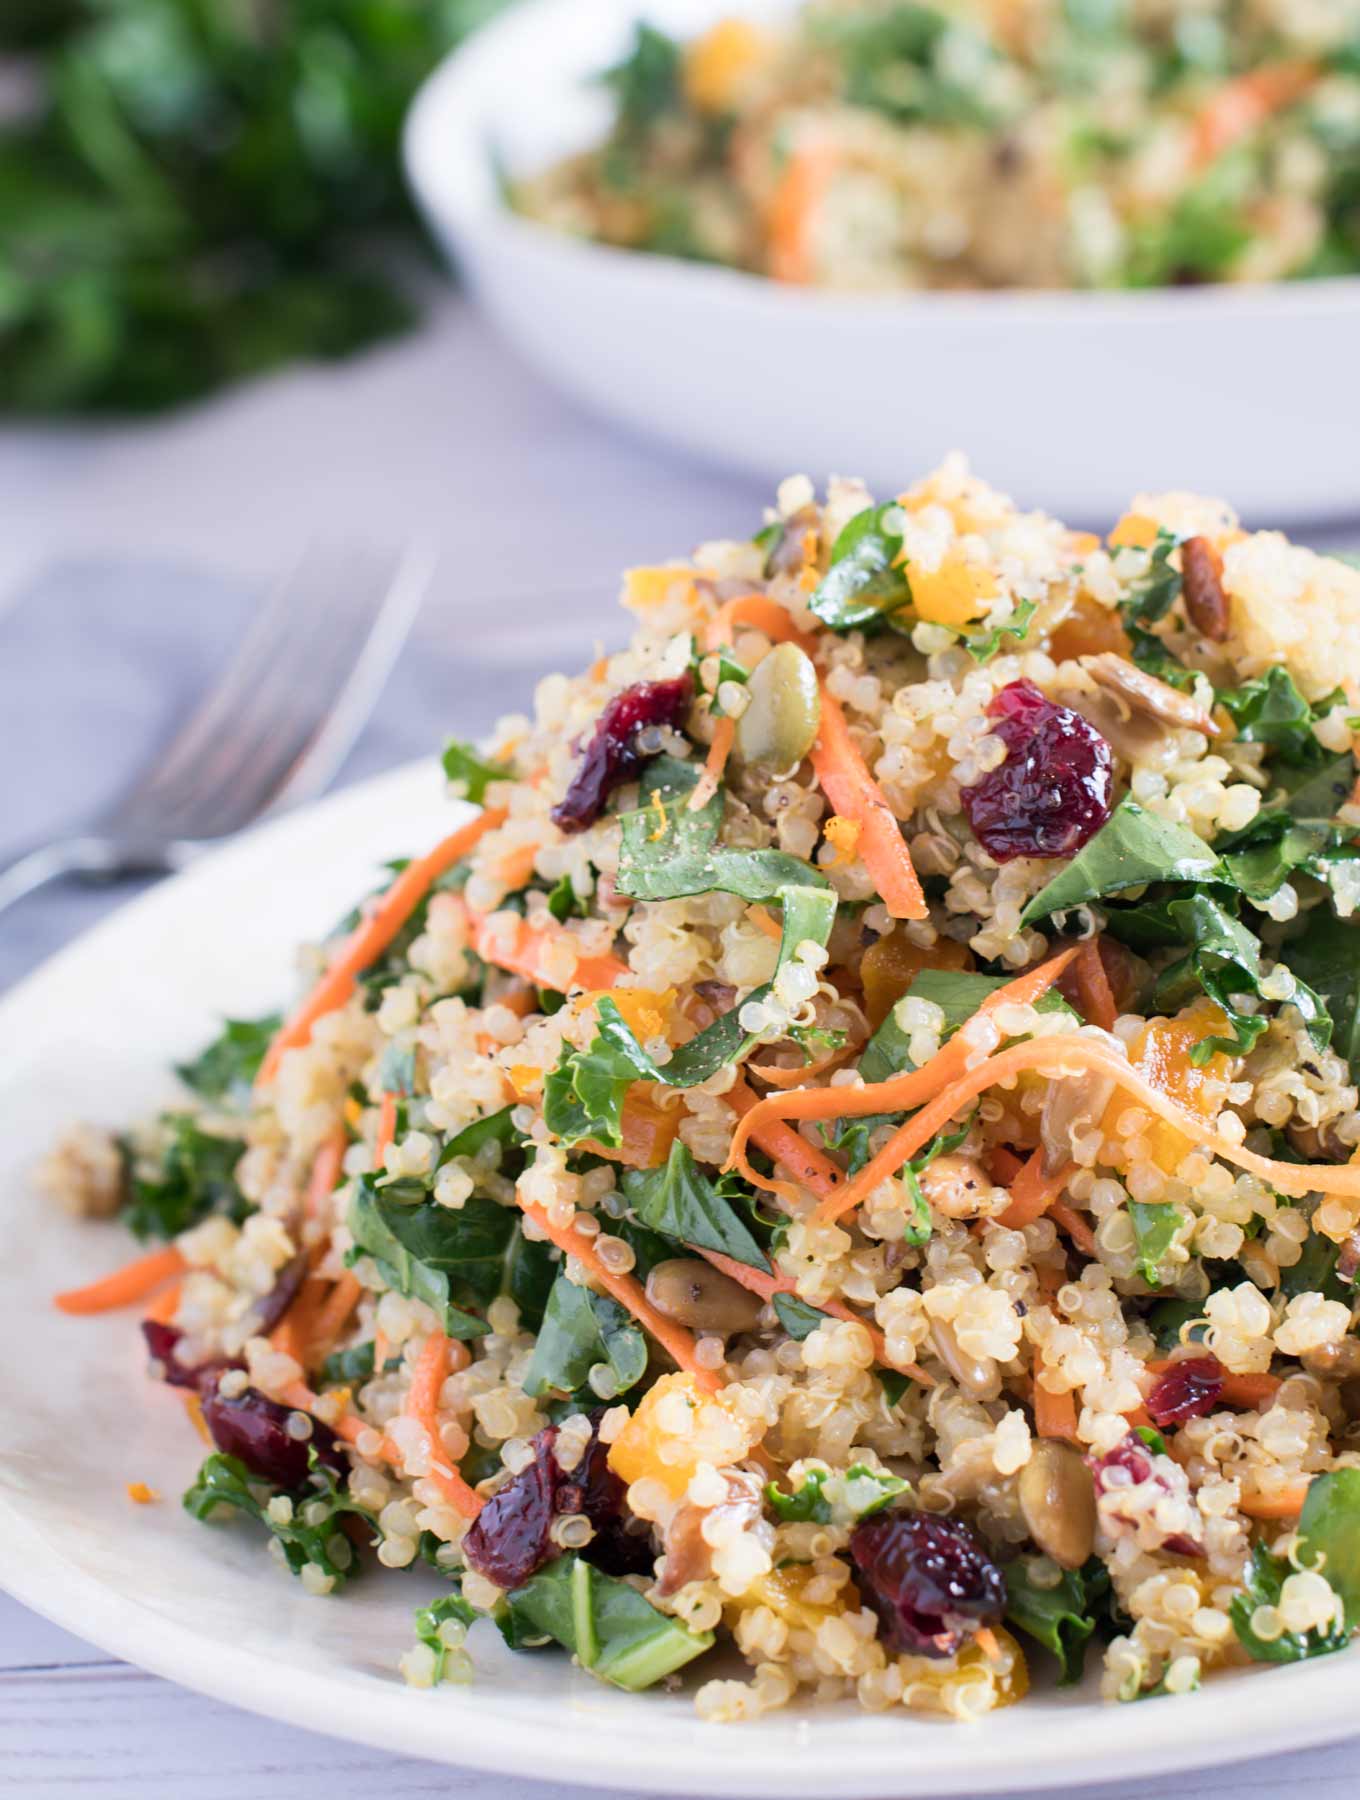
[(784, 709), (1058, 1502)]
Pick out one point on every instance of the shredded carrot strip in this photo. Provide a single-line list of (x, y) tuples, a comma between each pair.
[(1055, 1415), (387, 1129), (800, 192), (1247, 101), (854, 794), (1068, 1219), (522, 950), (292, 1336), (792, 1078), (125, 1286), (760, 613), (325, 1172), (381, 1350), (756, 1281), (1249, 1391), (1033, 1192), (673, 1338), (351, 1428), (162, 1308), (1095, 999), (333, 1316), (422, 1405), (1073, 1054), (1003, 1165), (1285, 1505), (986, 1640), (372, 936), (803, 1161), (900, 1092), (724, 732), (1139, 1415), (765, 921)]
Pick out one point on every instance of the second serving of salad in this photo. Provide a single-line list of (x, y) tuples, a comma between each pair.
[(881, 144), (849, 1153)]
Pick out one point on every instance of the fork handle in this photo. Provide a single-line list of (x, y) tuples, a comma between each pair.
[(35, 867)]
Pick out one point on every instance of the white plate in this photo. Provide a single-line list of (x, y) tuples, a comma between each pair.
[(1071, 401), (89, 1036)]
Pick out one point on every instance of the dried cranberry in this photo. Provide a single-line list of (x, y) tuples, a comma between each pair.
[(928, 1580), (1129, 1464), (254, 1429), (163, 1342), (1187, 1390), (594, 1489), (1053, 792), (508, 1541), (281, 1296), (613, 756), (512, 1536)]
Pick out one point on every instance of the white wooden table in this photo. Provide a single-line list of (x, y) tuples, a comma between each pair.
[(443, 437)]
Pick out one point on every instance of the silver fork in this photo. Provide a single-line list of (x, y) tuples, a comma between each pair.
[(270, 733)]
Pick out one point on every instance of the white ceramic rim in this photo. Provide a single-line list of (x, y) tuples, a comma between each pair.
[(615, 1741), (450, 167)]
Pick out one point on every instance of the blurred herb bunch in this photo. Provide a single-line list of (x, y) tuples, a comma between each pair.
[(192, 191)]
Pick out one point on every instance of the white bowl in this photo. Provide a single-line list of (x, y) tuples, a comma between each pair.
[(90, 1036), (1073, 401)]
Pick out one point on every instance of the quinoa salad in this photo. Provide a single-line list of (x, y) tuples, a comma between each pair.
[(838, 1178), (900, 144)]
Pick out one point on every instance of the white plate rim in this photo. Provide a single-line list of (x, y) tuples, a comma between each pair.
[(1055, 1743)]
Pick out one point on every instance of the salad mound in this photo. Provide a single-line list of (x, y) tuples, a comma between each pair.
[(846, 1151), (898, 144)]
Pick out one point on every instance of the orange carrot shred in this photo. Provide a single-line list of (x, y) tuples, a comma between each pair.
[(900, 1092), (673, 1338), (333, 1316), (724, 733), (125, 1286), (1070, 1054), (163, 1306), (325, 1172), (351, 1428), (797, 197), (1033, 1192), (387, 1129), (1055, 1415), (524, 950), (845, 780), (292, 1335), (1249, 1391), (1245, 102), (765, 921), (1287, 1504), (1003, 1164), (372, 936), (422, 1405), (1068, 1219), (803, 1161), (1095, 999), (760, 613)]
